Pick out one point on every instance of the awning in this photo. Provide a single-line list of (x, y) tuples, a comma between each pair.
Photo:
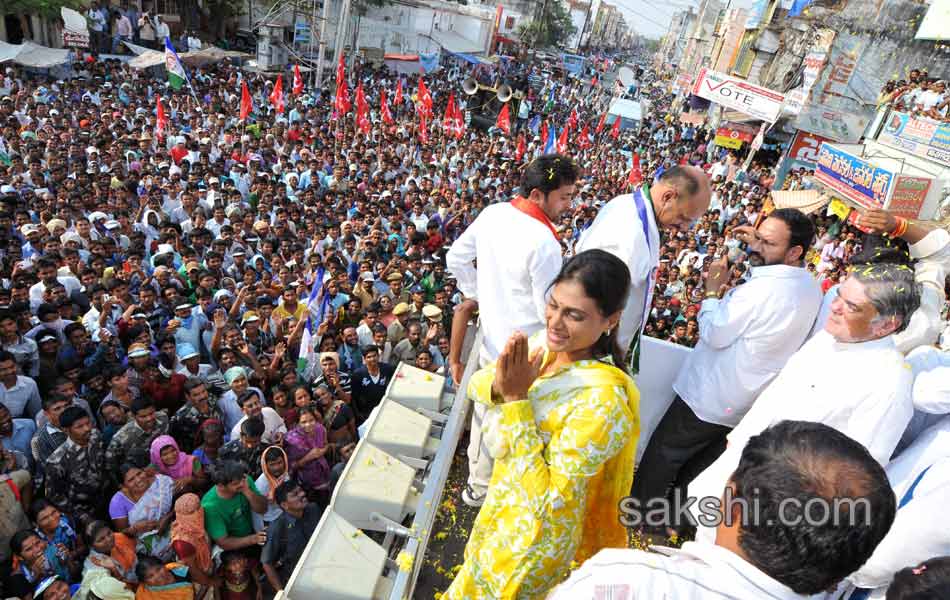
[(807, 201), (456, 44), (211, 54), (29, 54)]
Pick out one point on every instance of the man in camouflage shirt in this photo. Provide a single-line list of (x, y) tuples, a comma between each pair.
[(199, 406), (248, 448), (76, 480), (146, 425)]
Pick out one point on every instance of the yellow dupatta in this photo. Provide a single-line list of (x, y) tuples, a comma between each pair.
[(612, 483)]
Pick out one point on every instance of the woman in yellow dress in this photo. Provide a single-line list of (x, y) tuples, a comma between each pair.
[(564, 423)]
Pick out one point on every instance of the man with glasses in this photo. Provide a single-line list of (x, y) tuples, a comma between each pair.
[(628, 227)]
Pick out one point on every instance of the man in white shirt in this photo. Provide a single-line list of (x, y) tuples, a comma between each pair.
[(920, 476), (628, 227), (768, 549), (274, 427), (850, 376), (745, 339), (518, 255)]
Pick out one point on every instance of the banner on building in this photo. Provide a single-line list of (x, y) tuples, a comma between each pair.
[(738, 94), (908, 196), (802, 154), (803, 79), (852, 177), (733, 135), (921, 137)]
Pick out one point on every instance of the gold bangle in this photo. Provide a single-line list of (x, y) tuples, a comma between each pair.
[(711, 295)]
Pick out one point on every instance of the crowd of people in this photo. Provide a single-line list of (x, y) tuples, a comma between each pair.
[(919, 94), (197, 315)]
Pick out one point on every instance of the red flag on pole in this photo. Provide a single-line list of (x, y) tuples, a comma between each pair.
[(398, 99), (448, 122), (583, 142), (615, 130), (544, 134), (458, 121), (340, 71), (161, 121), (277, 95), (342, 103), (504, 120), (423, 130), (562, 140), (424, 98), (362, 110), (636, 173), (600, 124), (572, 120), (519, 152), (246, 104), (384, 112), (298, 81)]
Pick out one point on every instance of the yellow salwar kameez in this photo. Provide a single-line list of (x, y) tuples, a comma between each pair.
[(564, 459)]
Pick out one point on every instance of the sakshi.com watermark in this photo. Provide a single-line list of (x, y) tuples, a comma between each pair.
[(690, 511)]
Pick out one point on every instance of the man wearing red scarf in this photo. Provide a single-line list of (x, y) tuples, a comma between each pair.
[(518, 253)]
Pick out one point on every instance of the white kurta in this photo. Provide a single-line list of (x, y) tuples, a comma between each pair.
[(618, 229), (517, 259), (744, 341), (697, 571), (862, 389), (913, 538)]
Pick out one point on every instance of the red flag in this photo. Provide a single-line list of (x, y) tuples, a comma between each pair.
[(615, 130), (362, 110), (572, 120), (340, 71), (593, 82), (600, 124), (519, 152), (161, 121), (398, 99), (459, 123), (423, 130), (544, 134), (636, 173), (298, 81), (562, 140), (342, 103), (583, 142), (504, 120), (246, 104), (448, 122), (384, 109), (424, 98), (277, 95)]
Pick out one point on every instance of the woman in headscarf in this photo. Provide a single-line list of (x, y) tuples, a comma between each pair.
[(183, 468), (108, 588), (210, 439), (190, 540)]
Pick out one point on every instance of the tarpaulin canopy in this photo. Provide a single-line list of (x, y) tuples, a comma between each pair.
[(197, 58), (29, 54), (807, 201)]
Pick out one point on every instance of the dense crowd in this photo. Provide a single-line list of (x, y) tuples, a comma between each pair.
[(919, 94), (196, 317)]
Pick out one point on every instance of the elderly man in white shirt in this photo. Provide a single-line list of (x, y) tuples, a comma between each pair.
[(929, 247), (920, 477), (850, 376), (745, 339), (767, 550), (518, 255), (628, 227)]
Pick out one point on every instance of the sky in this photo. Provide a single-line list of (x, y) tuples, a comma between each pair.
[(651, 18)]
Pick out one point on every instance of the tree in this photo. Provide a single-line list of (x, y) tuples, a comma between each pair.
[(552, 25), (43, 8)]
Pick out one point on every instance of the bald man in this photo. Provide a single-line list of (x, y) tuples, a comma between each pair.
[(628, 227)]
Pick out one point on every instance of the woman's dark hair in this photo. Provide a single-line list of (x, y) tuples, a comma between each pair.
[(311, 410), (929, 580), (547, 173), (606, 280), (37, 507), (93, 529), (146, 564), (124, 469)]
